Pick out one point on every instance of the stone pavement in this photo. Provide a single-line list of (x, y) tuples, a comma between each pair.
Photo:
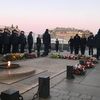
[(81, 88)]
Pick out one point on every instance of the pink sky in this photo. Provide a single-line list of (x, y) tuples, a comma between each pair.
[(37, 15)]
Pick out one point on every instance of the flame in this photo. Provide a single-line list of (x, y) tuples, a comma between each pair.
[(9, 63)]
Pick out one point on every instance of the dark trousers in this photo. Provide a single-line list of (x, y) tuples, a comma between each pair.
[(76, 48), (82, 50), (5, 48), (0, 48), (46, 50), (57, 48), (71, 49), (38, 50), (30, 48), (98, 53), (22, 47), (15, 48), (9, 48), (90, 50)]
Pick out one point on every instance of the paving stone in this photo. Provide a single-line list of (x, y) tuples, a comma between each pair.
[(60, 91), (74, 94), (86, 99), (83, 96), (77, 87), (50, 98), (55, 94), (63, 97), (95, 98), (75, 98)]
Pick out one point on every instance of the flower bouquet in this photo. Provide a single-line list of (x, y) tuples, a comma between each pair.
[(29, 56), (79, 69)]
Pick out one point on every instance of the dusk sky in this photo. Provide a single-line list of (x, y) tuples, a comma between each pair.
[(37, 15)]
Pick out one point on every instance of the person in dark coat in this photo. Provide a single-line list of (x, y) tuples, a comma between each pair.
[(46, 42), (22, 41), (30, 41), (9, 45), (1, 41), (97, 43), (38, 44), (90, 43), (57, 45), (6, 41), (76, 44), (14, 38), (71, 44), (83, 42)]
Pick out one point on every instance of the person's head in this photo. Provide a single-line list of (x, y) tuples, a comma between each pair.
[(22, 32), (14, 31), (5, 30), (91, 34), (46, 31), (39, 35), (76, 34), (30, 33)]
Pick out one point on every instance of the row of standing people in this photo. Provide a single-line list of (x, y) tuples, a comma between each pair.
[(81, 43), (46, 43), (78, 42), (11, 42), (14, 41)]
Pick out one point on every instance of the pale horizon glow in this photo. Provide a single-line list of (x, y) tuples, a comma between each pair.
[(37, 15)]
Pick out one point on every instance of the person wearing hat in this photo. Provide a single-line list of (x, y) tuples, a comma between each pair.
[(6, 41), (46, 42), (14, 39), (90, 43), (76, 44), (30, 41), (22, 41), (38, 44)]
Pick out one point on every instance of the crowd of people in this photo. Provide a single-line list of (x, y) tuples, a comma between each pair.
[(77, 43), (15, 41)]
